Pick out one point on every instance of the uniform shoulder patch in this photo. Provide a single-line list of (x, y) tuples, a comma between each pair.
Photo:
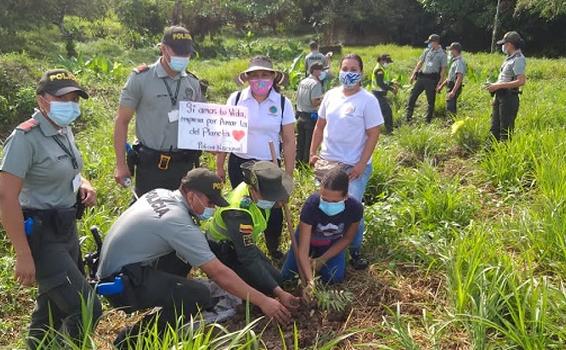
[(141, 68), (28, 125), (245, 203), (246, 229)]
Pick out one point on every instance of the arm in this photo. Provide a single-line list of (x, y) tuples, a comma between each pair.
[(342, 243), (515, 84), (220, 160), (442, 78), (88, 193), (233, 284), (123, 118), (305, 231), (457, 85), (316, 101), (289, 147), (379, 77), (373, 136), (316, 139), (13, 222), (416, 70)]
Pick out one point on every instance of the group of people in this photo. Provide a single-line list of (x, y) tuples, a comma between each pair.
[(181, 220)]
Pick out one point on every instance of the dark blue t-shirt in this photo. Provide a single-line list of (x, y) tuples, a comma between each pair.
[(326, 229)]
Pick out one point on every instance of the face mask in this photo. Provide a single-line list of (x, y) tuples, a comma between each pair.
[(63, 113), (265, 204), (261, 87), (429, 45), (503, 49), (331, 208), (207, 213), (322, 75), (450, 57), (350, 79), (385, 65), (179, 63)]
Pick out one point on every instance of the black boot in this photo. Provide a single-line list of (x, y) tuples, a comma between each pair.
[(357, 261)]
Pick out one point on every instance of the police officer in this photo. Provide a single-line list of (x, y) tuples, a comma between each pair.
[(380, 85), (41, 190), (454, 81), (153, 93), (234, 230), (309, 96), (506, 89), (315, 56), (429, 73), (155, 243)]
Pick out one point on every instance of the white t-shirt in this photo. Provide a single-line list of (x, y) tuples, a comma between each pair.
[(264, 123), (347, 119)]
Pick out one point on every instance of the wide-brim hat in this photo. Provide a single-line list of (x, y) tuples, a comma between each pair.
[(271, 181), (59, 82), (261, 63)]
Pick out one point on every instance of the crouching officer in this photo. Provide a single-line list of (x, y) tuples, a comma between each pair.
[(41, 194), (506, 89), (154, 244), (153, 93), (380, 85), (234, 230)]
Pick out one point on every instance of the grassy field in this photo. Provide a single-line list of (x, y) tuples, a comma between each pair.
[(467, 237)]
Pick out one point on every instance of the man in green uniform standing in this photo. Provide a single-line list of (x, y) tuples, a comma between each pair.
[(380, 85), (506, 89), (309, 96), (428, 75), (234, 230), (454, 81), (153, 94)]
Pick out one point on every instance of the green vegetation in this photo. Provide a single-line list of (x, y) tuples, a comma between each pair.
[(467, 237)]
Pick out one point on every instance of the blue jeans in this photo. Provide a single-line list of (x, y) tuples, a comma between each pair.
[(356, 189), (333, 271)]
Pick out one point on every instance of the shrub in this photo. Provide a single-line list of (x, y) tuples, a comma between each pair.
[(470, 134)]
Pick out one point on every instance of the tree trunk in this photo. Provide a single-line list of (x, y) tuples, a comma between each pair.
[(496, 23), (177, 12)]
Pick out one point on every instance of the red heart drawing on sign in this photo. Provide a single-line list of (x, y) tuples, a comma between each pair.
[(238, 134)]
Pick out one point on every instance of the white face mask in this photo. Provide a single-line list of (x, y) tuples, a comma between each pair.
[(385, 65), (503, 49), (322, 75)]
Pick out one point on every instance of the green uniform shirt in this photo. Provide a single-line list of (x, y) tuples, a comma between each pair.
[(147, 93), (49, 179), (308, 90), (314, 57), (456, 66), (433, 60), (157, 224), (512, 67)]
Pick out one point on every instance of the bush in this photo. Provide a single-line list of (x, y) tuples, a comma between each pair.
[(470, 134), (422, 143)]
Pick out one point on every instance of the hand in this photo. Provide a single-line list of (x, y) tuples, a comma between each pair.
[(357, 171), (88, 194), (439, 87), (275, 310), (413, 77), (493, 87), (317, 264), (450, 95), (25, 269), (290, 301), (121, 174), (221, 173), (313, 159), (308, 292)]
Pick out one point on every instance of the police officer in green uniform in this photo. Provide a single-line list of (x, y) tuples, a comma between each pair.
[(454, 81), (234, 230), (153, 93), (428, 75), (42, 193), (380, 85), (506, 89), (156, 242)]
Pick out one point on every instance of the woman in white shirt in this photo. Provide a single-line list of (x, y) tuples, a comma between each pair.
[(270, 118), (347, 132)]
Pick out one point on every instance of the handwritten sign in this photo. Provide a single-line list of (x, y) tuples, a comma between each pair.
[(213, 127)]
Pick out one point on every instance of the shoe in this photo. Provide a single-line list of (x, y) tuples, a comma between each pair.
[(357, 261)]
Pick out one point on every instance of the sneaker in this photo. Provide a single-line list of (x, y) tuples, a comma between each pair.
[(357, 261)]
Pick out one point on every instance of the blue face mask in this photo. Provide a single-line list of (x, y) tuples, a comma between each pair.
[(179, 63), (350, 79), (265, 204), (63, 113), (207, 213), (429, 45), (332, 208)]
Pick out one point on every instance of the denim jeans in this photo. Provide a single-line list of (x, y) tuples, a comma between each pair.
[(357, 189)]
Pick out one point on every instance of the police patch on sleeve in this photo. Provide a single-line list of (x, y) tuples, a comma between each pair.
[(247, 237)]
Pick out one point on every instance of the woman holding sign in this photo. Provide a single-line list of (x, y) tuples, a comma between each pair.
[(270, 118)]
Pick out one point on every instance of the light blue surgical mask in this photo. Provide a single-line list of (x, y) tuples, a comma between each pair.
[(63, 113), (179, 63), (265, 204), (350, 79), (332, 208), (503, 49), (429, 45), (207, 213), (322, 75)]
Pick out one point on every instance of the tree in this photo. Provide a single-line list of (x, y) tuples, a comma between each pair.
[(548, 9)]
